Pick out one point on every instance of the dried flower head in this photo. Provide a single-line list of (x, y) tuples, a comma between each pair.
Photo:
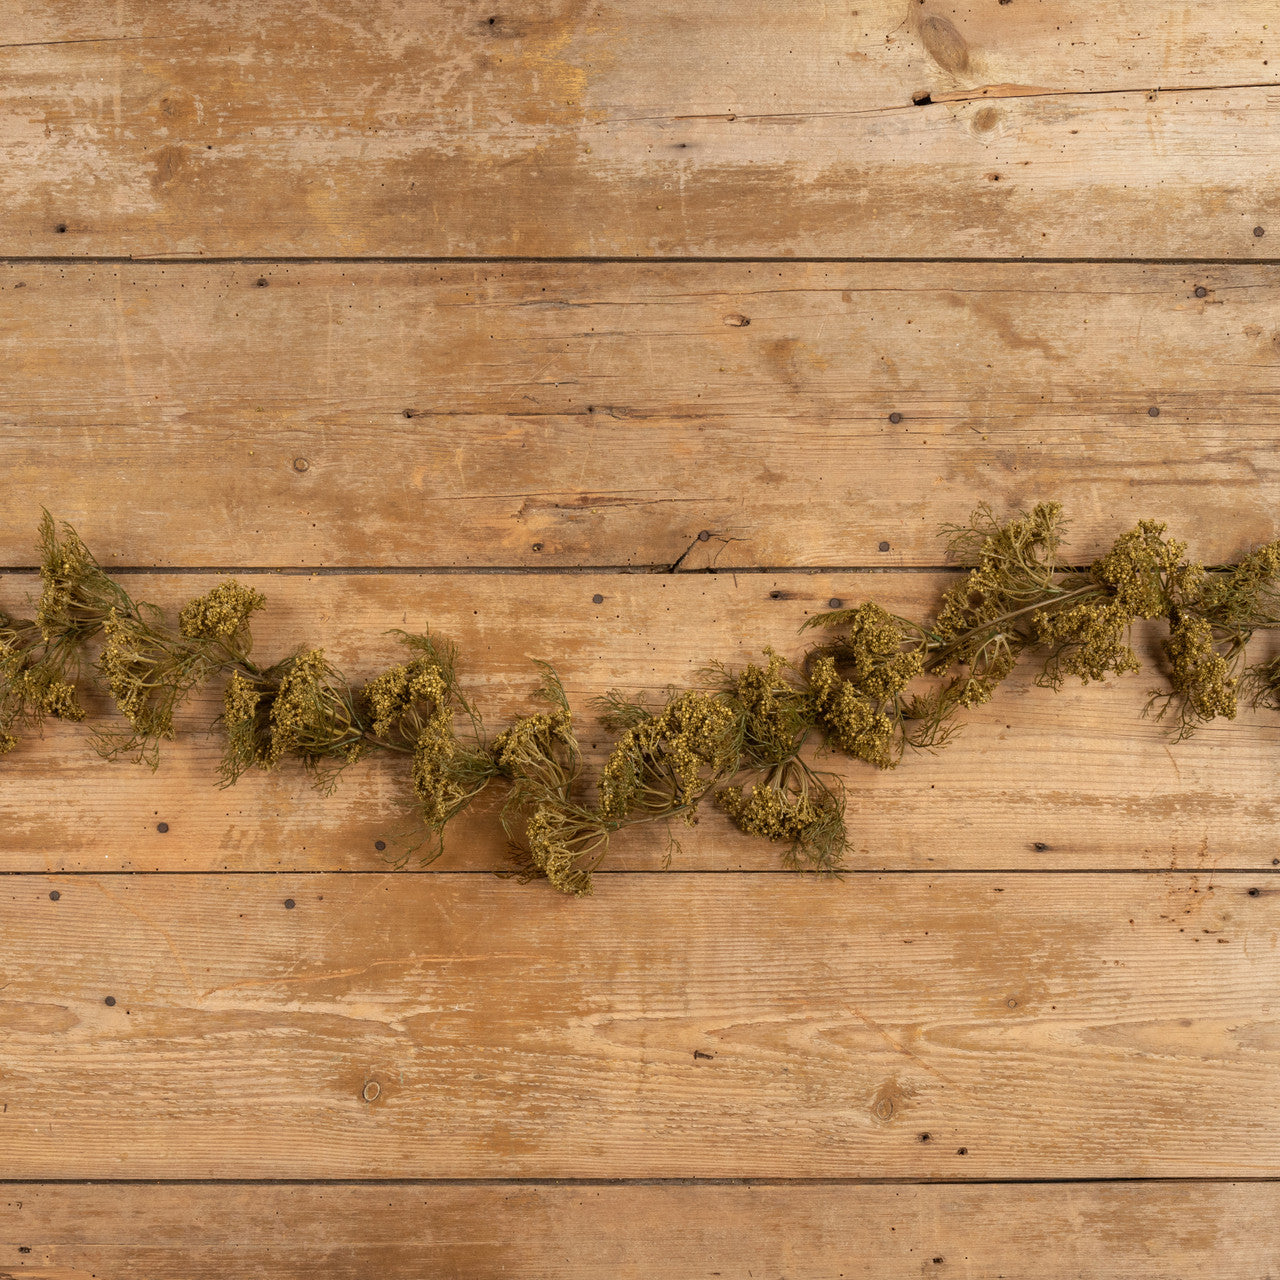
[(873, 650), (772, 704), (981, 624), (665, 761), (246, 718), (850, 720), (30, 686), (563, 845), (1136, 569), (1242, 597), (1089, 640), (797, 809), (222, 614), (539, 753), (414, 707), (552, 835), (1200, 677), (314, 717), (406, 698), (447, 776), (77, 596)]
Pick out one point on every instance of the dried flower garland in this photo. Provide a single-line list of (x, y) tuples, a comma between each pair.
[(875, 686)]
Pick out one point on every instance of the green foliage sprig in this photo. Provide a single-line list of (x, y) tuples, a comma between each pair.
[(875, 686)]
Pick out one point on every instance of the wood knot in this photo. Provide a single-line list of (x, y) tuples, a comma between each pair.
[(944, 43), (887, 1101)]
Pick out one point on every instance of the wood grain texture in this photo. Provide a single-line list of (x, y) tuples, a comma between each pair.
[(567, 128), (1117, 1231), (1079, 979), (1036, 780), (606, 415), (1032, 1026)]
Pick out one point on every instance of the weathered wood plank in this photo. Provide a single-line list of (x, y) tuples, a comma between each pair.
[(1118, 1231), (570, 129), (606, 415), (1076, 779), (957, 1027)]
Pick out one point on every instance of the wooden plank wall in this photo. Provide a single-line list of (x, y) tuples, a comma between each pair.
[(631, 335)]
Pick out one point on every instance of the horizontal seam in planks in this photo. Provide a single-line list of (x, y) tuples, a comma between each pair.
[(668, 873), (606, 260), (574, 571), (632, 1182)]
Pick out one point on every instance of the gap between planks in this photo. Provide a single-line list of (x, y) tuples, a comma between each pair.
[(1164, 872), (374, 260), (1169, 1180)]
